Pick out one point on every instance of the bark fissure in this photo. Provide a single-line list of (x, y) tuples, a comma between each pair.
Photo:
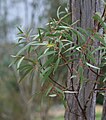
[(83, 103)]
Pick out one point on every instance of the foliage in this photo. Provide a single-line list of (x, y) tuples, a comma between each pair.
[(58, 46)]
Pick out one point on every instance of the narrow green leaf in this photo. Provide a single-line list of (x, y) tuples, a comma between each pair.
[(64, 27), (15, 61), (25, 47), (50, 45), (90, 56), (45, 70), (73, 76), (65, 16), (56, 64), (83, 31), (67, 44), (60, 46), (53, 95), (55, 34), (40, 34), (70, 92), (49, 61), (67, 36), (98, 37), (46, 76), (97, 17), (69, 49), (24, 67), (48, 91), (35, 37), (46, 50), (104, 79), (58, 12), (40, 44), (25, 74), (59, 90), (46, 54), (20, 38), (81, 36), (92, 66), (20, 30), (74, 23), (97, 49), (19, 62), (30, 60)]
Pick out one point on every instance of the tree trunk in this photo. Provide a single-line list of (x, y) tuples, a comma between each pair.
[(83, 10), (26, 13), (104, 102), (5, 20), (104, 108)]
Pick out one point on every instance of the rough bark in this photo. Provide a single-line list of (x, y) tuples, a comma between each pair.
[(104, 108), (83, 10), (104, 102)]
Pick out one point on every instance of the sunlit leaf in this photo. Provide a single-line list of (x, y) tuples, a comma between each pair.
[(53, 95), (58, 12), (50, 45), (19, 62), (69, 49), (92, 66), (70, 92), (74, 23)]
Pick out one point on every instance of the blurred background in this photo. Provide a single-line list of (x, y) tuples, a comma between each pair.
[(19, 102), (16, 101)]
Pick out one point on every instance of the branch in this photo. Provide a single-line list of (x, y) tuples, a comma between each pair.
[(75, 94)]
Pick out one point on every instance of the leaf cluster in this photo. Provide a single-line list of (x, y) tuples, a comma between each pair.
[(58, 46)]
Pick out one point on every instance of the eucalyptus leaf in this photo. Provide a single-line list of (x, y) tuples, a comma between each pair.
[(48, 91), (92, 66), (46, 54), (19, 62), (70, 92), (53, 95), (58, 12), (56, 64), (25, 74)]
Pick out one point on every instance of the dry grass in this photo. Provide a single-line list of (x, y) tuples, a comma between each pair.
[(59, 111), (99, 108)]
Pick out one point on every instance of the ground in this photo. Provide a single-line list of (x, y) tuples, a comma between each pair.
[(57, 113)]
